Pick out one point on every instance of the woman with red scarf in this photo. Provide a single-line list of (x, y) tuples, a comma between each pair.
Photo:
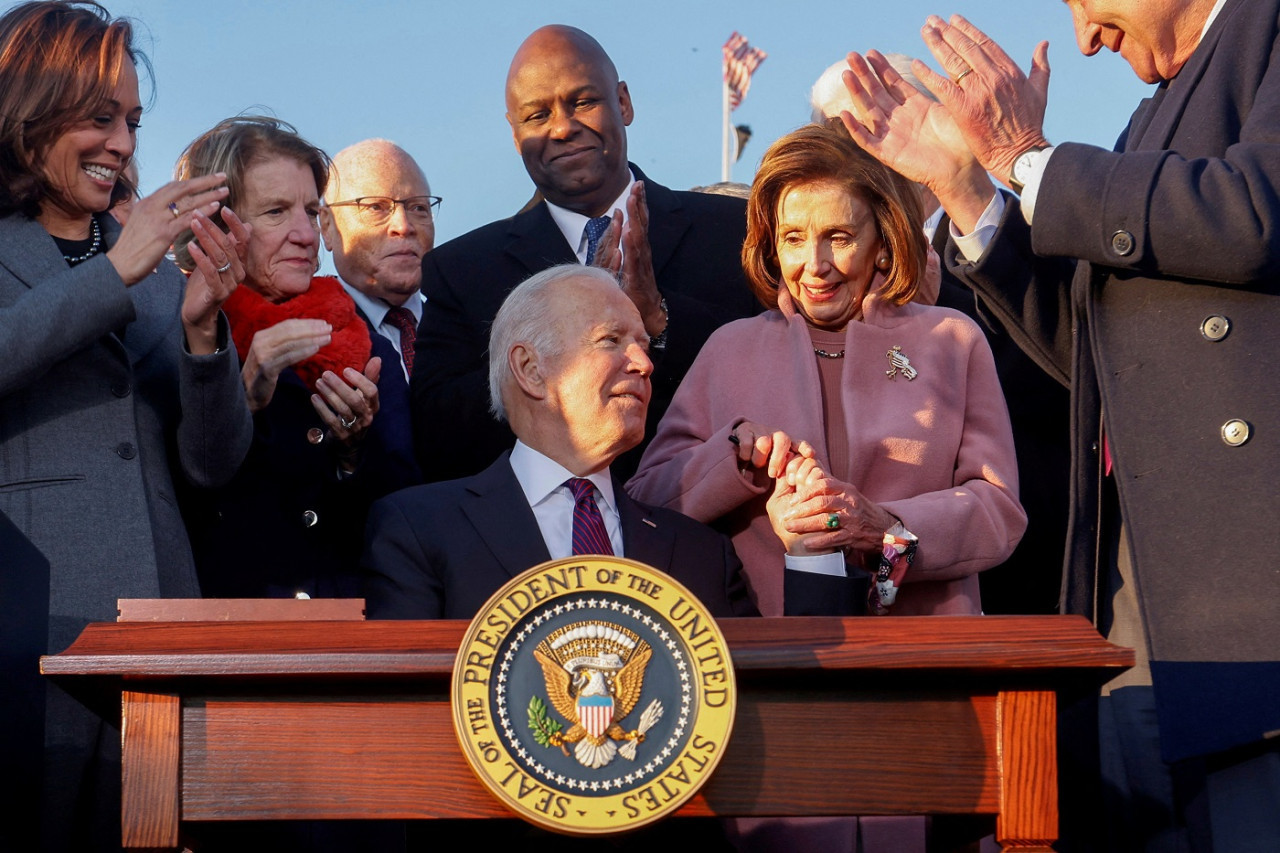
[(292, 520)]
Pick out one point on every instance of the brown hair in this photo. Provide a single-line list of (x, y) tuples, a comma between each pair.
[(60, 63), (825, 152), (232, 146)]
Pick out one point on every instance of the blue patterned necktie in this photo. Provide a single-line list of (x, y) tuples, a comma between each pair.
[(595, 230), (589, 535)]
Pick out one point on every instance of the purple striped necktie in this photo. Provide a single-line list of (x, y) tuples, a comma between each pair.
[(589, 535)]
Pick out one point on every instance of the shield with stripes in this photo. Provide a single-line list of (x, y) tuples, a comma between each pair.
[(595, 713)]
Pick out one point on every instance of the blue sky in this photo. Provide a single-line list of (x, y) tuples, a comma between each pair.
[(429, 75)]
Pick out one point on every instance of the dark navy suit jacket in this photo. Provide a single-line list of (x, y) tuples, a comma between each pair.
[(439, 551)]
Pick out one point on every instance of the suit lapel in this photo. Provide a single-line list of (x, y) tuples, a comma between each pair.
[(535, 241), (496, 507), (29, 253), (643, 538), (1156, 120)]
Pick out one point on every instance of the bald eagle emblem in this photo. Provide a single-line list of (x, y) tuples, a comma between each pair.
[(594, 673)]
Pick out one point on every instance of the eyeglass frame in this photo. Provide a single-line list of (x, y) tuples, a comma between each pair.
[(433, 203)]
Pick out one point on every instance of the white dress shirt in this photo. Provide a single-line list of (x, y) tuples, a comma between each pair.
[(543, 482)]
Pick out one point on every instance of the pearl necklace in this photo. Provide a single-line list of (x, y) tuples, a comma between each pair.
[(96, 233)]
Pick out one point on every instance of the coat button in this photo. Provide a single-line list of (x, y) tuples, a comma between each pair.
[(1122, 243), (1215, 328), (310, 519), (121, 388), (1235, 432), (125, 450)]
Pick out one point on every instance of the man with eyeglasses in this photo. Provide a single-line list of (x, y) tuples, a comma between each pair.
[(378, 221), (679, 259)]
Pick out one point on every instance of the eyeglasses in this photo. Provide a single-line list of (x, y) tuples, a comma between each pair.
[(376, 210)]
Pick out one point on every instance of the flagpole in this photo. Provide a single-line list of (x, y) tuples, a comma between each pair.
[(724, 141)]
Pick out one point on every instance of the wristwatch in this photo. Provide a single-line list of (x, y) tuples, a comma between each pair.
[(1022, 168)]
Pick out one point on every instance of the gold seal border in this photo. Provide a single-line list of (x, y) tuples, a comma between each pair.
[(677, 780)]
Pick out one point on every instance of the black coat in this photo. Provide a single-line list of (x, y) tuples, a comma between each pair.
[(1151, 283)]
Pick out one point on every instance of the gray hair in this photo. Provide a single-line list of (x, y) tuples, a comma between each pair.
[(528, 317), (829, 96)]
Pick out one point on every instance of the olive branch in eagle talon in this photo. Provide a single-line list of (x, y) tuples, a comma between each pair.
[(544, 728)]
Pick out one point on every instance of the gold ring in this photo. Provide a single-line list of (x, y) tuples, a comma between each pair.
[(963, 74)]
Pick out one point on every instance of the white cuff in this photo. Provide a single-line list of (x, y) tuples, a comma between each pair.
[(818, 564), (973, 244)]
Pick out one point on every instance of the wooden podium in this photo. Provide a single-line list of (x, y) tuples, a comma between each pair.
[(350, 719)]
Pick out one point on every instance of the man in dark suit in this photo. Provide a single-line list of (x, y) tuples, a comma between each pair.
[(378, 220), (680, 264), (569, 371), (1149, 279)]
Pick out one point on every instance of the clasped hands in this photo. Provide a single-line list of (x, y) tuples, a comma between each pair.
[(346, 404), (805, 497)]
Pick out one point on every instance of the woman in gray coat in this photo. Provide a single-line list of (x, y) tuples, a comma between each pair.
[(116, 376)]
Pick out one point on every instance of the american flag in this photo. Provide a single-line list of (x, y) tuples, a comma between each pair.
[(740, 61)]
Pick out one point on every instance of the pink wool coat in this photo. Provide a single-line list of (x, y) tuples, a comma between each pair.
[(936, 451)]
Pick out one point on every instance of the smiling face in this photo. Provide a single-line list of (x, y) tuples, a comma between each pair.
[(81, 166), (568, 114), (281, 203), (382, 261), (1156, 37), (827, 245), (597, 386)]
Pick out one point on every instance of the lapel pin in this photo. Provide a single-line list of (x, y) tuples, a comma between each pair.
[(650, 523), (899, 362)]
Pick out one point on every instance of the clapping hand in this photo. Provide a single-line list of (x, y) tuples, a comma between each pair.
[(219, 268)]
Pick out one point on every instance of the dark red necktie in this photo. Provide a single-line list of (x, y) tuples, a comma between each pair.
[(589, 535), (402, 319)]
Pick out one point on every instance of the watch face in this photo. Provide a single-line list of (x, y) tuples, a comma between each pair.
[(1022, 166)]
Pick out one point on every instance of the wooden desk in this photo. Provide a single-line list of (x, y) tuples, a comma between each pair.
[(346, 720)]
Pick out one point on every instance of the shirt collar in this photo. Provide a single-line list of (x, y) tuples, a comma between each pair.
[(540, 476), (1213, 14), (376, 309), (573, 225)]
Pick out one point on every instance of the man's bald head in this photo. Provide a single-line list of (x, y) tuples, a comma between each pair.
[(382, 259), (568, 114)]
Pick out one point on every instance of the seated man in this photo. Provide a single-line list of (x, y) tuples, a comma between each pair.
[(570, 372)]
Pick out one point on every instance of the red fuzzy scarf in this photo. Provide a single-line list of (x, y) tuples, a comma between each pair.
[(249, 313)]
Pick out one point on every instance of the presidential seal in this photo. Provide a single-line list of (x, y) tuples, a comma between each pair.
[(593, 695)]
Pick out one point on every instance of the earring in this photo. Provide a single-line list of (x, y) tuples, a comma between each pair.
[(882, 263)]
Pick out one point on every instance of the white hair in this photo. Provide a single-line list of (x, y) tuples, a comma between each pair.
[(829, 96), (528, 317)]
